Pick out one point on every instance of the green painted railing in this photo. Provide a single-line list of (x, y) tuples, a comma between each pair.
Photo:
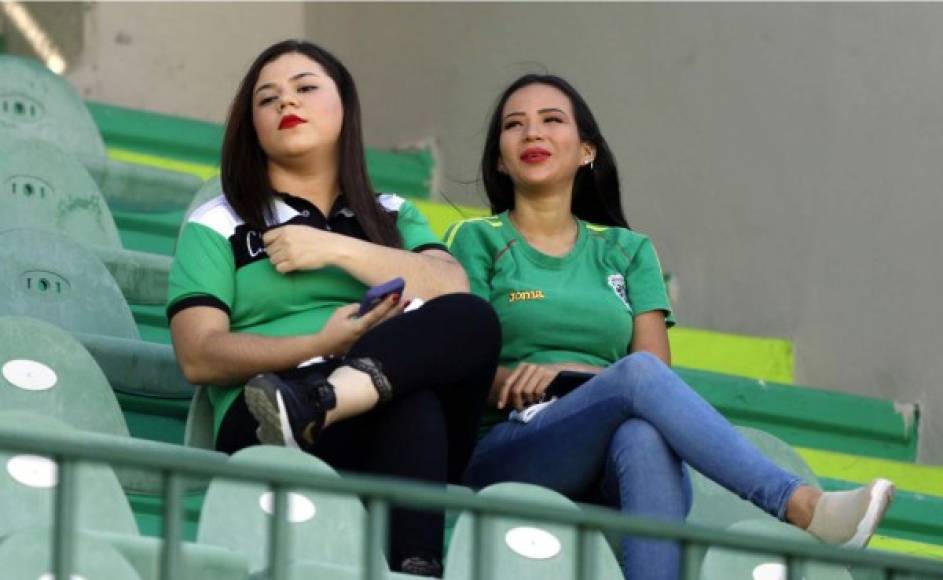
[(378, 495)]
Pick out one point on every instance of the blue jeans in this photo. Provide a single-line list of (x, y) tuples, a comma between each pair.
[(624, 435)]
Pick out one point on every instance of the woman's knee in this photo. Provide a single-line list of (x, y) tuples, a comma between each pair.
[(641, 364), (641, 370), (474, 316), (470, 307)]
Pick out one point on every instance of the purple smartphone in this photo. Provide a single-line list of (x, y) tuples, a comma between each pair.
[(376, 294)]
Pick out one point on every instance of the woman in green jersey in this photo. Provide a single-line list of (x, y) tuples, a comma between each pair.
[(264, 288), (581, 297)]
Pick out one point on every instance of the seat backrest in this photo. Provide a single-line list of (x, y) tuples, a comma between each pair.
[(27, 555), (525, 549), (199, 428), (325, 528), (211, 188), (37, 103), (48, 276), (28, 485), (46, 188), (45, 370), (726, 564), (714, 506)]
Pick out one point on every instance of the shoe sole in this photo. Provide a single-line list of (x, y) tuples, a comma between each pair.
[(267, 406), (882, 494)]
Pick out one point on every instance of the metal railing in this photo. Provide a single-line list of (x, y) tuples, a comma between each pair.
[(378, 494)]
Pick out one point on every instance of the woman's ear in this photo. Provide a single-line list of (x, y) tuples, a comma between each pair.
[(501, 167), (589, 153)]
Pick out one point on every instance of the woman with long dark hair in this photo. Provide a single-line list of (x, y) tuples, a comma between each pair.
[(264, 287), (583, 306)]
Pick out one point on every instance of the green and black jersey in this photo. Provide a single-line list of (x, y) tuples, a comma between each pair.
[(576, 308), (221, 262)]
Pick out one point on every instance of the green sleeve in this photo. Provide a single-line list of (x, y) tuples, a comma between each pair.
[(646, 283), (470, 249), (415, 230), (203, 266)]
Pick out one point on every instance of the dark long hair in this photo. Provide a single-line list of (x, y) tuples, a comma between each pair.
[(244, 167), (596, 194)]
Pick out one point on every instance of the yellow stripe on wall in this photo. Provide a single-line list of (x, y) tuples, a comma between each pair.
[(768, 359), (200, 170), (907, 547), (912, 477)]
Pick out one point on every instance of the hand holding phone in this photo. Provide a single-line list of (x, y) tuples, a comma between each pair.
[(377, 294)]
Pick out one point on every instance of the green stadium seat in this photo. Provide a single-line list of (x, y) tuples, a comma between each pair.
[(46, 188), (726, 564), (27, 555), (46, 370), (47, 275), (27, 499), (50, 277), (197, 562), (524, 549), (38, 103), (198, 431), (28, 482), (35, 102), (138, 367), (325, 529), (715, 506)]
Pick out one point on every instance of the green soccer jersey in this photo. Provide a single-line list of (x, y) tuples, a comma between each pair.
[(221, 262), (576, 308)]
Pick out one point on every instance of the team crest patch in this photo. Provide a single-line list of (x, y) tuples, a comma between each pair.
[(617, 283)]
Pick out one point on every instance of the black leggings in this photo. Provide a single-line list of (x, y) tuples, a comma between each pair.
[(440, 361)]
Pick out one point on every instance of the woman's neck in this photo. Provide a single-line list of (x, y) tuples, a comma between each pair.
[(546, 223), (315, 180)]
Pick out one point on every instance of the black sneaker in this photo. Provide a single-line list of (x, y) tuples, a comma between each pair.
[(419, 566), (290, 412)]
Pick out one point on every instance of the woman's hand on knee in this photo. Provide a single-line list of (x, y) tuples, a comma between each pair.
[(525, 385)]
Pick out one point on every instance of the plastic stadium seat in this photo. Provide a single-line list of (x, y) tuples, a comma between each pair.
[(27, 555), (198, 431), (725, 564), (47, 275), (48, 189), (197, 562), (521, 548), (210, 189), (45, 370), (50, 277), (27, 490), (28, 482), (325, 529), (715, 506), (35, 102)]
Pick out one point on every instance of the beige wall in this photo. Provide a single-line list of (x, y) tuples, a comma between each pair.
[(184, 58)]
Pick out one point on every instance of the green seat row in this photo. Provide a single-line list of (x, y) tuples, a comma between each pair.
[(814, 418)]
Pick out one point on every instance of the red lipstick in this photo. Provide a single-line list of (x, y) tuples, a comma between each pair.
[(289, 121), (535, 155)]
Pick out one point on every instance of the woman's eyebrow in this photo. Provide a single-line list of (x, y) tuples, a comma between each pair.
[(294, 78), (541, 111)]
